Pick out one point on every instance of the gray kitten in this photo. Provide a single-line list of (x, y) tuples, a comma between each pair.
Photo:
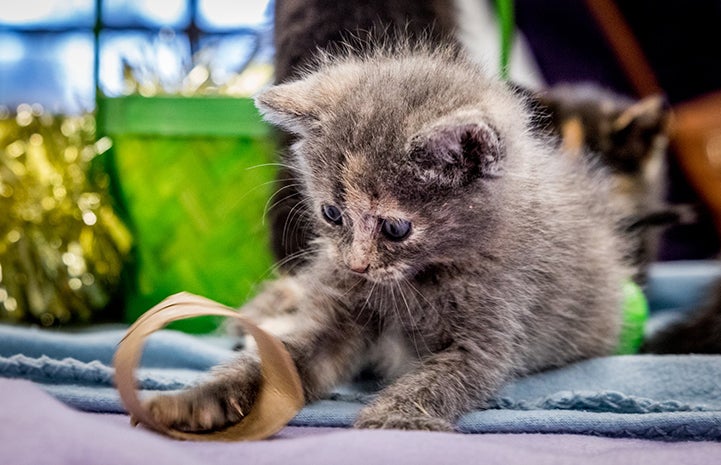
[(454, 251)]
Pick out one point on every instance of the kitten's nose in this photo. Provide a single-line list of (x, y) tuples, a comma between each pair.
[(359, 267)]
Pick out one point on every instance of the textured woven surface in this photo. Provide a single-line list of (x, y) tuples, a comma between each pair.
[(196, 206)]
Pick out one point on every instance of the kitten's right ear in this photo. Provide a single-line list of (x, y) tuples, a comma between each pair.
[(289, 106), (455, 153)]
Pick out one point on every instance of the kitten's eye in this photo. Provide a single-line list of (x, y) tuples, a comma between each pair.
[(396, 230), (332, 214)]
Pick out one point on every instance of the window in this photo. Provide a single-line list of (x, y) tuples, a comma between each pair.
[(56, 52)]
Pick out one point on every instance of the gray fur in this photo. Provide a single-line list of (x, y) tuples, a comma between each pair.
[(301, 29), (510, 268)]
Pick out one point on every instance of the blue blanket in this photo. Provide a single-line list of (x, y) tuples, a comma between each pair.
[(643, 396)]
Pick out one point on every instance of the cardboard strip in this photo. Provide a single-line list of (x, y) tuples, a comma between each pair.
[(280, 396)]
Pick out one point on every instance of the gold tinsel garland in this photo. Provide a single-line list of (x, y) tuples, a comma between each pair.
[(61, 244)]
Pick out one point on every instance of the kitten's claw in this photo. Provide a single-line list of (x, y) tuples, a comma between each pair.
[(236, 406)]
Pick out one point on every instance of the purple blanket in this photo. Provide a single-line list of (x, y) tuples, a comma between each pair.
[(36, 429)]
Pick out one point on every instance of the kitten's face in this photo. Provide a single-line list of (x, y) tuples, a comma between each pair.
[(391, 170), (625, 135), (369, 233), (368, 214)]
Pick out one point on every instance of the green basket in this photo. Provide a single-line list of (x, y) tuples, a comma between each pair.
[(187, 174)]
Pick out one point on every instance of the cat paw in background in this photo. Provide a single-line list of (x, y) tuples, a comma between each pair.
[(697, 333)]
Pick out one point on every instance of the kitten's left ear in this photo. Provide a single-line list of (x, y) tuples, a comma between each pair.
[(455, 153), (291, 106), (650, 115)]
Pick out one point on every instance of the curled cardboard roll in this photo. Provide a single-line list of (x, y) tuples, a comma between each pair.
[(280, 396)]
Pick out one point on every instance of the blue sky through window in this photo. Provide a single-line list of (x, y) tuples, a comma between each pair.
[(48, 14), (47, 46)]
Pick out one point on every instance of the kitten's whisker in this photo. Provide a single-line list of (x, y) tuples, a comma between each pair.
[(250, 191), (280, 165), (431, 306), (360, 280), (411, 321), (266, 208), (293, 256), (405, 280), (397, 314), (263, 165), (299, 208), (363, 307), (287, 186), (391, 298), (273, 269), (420, 294), (299, 219), (290, 258), (407, 331)]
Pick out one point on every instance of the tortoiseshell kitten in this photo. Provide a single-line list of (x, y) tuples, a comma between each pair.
[(625, 138), (454, 251), (629, 138)]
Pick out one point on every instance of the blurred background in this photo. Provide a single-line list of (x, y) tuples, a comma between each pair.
[(55, 52), (681, 42), (133, 163), (76, 115)]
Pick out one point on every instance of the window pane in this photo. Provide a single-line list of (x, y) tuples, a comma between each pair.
[(142, 62), (54, 70), (156, 14), (226, 56), (217, 15), (48, 14)]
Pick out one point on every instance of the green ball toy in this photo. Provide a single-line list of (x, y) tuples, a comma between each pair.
[(635, 314)]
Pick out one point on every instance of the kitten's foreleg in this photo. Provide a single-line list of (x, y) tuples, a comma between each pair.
[(445, 386), (325, 349), (326, 354), (277, 300)]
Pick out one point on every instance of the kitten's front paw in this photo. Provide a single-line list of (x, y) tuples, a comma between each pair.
[(402, 421), (199, 409)]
